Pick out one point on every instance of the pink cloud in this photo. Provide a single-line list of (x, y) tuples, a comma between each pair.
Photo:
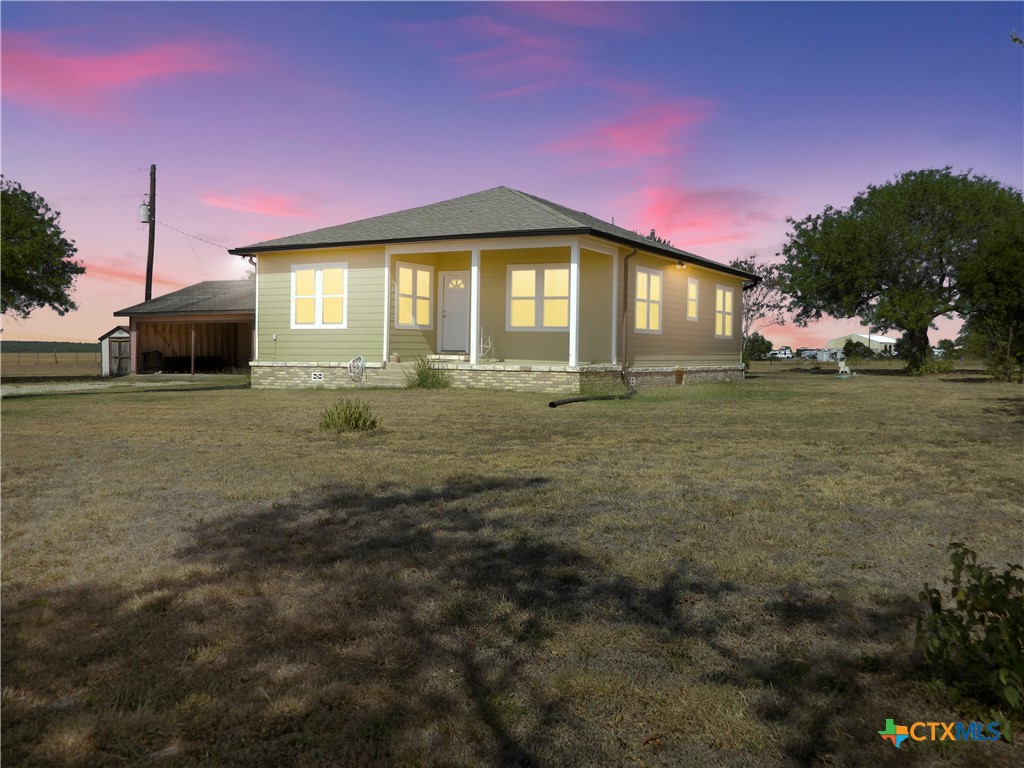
[(287, 206), (695, 217), (647, 132), (119, 273), (38, 75)]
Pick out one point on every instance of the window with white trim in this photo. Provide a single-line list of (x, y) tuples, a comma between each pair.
[(647, 317), (319, 296), (414, 302), (723, 312), (537, 298), (692, 293)]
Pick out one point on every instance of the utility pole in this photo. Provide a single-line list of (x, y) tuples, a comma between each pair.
[(152, 231)]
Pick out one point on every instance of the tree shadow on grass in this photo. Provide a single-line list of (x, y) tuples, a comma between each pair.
[(442, 626)]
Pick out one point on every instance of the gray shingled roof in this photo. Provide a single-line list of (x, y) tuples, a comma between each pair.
[(206, 298), (496, 212)]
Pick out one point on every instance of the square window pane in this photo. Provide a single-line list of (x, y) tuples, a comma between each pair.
[(655, 323), (556, 282), (334, 310), (523, 313), (423, 283), (556, 313), (423, 312), (524, 283), (305, 311), (334, 282), (305, 282), (404, 310), (405, 280)]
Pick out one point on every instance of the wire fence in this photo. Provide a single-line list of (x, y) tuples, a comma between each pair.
[(49, 364), (49, 358)]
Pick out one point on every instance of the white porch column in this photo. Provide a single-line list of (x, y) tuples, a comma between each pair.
[(574, 304), (474, 307), (387, 304), (615, 309)]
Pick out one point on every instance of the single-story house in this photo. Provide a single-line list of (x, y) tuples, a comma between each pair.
[(205, 327), (873, 341), (504, 289)]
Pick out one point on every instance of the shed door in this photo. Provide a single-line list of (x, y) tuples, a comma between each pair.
[(120, 357)]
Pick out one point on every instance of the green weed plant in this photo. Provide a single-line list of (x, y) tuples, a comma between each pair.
[(977, 643), (425, 375), (349, 416)]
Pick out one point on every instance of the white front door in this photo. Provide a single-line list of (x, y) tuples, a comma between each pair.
[(454, 312)]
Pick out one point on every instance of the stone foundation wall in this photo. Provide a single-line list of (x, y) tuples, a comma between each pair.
[(300, 376), (555, 380), (550, 379)]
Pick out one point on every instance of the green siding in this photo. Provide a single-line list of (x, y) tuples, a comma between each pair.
[(365, 332), (526, 346), (682, 341), (595, 342)]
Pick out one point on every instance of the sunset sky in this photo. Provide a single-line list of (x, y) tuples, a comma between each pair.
[(709, 122)]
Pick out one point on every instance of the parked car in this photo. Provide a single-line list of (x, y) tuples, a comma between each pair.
[(780, 354)]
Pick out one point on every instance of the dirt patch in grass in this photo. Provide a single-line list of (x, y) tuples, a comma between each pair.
[(704, 576)]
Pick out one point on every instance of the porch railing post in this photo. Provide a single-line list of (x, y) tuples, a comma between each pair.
[(474, 307), (574, 304)]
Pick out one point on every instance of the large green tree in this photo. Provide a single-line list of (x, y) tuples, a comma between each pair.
[(991, 283), (36, 260), (892, 258)]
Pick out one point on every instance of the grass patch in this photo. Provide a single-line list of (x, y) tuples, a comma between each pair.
[(719, 575)]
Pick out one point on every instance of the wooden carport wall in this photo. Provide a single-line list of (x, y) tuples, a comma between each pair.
[(135, 324)]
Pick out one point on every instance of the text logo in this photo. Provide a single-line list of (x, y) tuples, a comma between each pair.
[(934, 731)]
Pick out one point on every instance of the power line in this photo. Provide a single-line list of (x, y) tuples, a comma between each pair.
[(186, 234)]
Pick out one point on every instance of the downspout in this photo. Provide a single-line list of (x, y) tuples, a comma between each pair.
[(625, 350)]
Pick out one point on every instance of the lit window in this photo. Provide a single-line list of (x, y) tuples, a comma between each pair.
[(692, 291), (414, 301), (319, 295), (648, 300), (723, 312), (538, 298)]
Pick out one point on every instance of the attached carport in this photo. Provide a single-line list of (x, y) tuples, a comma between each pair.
[(203, 328)]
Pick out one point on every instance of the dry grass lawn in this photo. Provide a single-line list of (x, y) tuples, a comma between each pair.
[(707, 576)]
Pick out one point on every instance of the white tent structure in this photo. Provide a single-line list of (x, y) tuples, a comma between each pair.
[(872, 341)]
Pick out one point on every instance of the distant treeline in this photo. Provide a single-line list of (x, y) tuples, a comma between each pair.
[(48, 346)]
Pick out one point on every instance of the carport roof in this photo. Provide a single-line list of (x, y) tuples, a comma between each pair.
[(221, 297)]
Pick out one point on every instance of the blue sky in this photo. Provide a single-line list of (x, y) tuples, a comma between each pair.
[(710, 122)]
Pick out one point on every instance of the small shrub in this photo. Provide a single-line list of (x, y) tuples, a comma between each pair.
[(349, 416), (934, 365), (425, 375), (977, 644)]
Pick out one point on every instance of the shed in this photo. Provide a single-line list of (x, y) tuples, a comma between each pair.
[(115, 352), (203, 328)]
